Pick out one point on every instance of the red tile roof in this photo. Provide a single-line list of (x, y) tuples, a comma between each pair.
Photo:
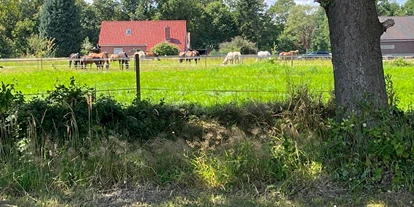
[(150, 33)]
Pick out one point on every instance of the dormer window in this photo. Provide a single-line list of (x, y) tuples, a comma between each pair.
[(128, 32)]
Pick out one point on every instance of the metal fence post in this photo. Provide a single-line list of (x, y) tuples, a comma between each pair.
[(137, 77)]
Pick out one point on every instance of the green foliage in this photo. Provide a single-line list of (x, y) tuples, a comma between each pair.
[(40, 47), (366, 151), (9, 126), (301, 24), (164, 48), (250, 21), (86, 46), (400, 62), (60, 20), (387, 8), (237, 44), (70, 95)]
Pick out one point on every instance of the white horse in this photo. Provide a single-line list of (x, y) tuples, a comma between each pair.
[(141, 54), (233, 57), (262, 55)]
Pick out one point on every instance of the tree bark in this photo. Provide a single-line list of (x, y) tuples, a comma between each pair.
[(355, 33)]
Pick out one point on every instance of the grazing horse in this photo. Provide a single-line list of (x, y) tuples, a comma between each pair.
[(262, 55), (189, 55), (233, 57), (141, 54), (122, 58), (100, 59), (75, 58), (288, 55), (88, 60), (152, 54)]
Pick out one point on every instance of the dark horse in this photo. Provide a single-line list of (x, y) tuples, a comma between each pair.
[(122, 58), (75, 58)]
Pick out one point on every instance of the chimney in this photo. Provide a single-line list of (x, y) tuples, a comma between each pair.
[(167, 34)]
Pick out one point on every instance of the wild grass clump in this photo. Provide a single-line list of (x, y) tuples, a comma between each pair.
[(80, 141), (400, 62)]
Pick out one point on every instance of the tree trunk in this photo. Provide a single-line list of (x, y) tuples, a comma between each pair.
[(355, 33)]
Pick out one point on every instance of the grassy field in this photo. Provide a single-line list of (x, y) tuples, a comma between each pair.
[(287, 153), (207, 83)]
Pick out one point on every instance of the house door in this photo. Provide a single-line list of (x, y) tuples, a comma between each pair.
[(117, 50)]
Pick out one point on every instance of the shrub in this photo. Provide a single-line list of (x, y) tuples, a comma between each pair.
[(9, 126), (400, 62), (165, 49), (237, 44)]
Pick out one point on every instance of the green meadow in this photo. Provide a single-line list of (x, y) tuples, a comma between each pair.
[(206, 83)]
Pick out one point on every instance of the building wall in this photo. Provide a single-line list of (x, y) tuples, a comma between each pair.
[(130, 50), (397, 47)]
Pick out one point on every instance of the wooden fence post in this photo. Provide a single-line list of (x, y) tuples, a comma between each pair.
[(137, 77)]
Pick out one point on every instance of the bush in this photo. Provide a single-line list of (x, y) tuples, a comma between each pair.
[(400, 62), (238, 44), (165, 49)]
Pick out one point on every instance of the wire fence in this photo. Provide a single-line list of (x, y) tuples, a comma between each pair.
[(180, 96)]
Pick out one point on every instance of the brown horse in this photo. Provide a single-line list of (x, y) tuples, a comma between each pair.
[(100, 59), (122, 58), (75, 58), (189, 55), (152, 54), (86, 60), (288, 55)]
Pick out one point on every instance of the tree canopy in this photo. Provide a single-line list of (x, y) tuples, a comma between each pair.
[(210, 22)]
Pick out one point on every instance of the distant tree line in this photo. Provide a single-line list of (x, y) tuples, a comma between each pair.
[(29, 28)]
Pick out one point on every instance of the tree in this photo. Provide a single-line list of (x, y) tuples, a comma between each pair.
[(40, 47), (5, 44), (249, 18), (280, 10), (108, 10), (355, 33), (190, 10), (408, 7), (60, 20), (387, 8), (89, 21), (301, 25), (320, 39), (27, 24), (218, 24)]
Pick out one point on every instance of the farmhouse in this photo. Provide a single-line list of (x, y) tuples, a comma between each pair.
[(399, 39), (130, 36)]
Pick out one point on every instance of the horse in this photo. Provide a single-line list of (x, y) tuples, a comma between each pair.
[(189, 55), (233, 57), (152, 54), (100, 59), (141, 54), (288, 55), (86, 60), (122, 58), (75, 58), (262, 55)]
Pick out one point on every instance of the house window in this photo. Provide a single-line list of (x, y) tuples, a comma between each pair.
[(117, 50), (128, 32), (387, 47)]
